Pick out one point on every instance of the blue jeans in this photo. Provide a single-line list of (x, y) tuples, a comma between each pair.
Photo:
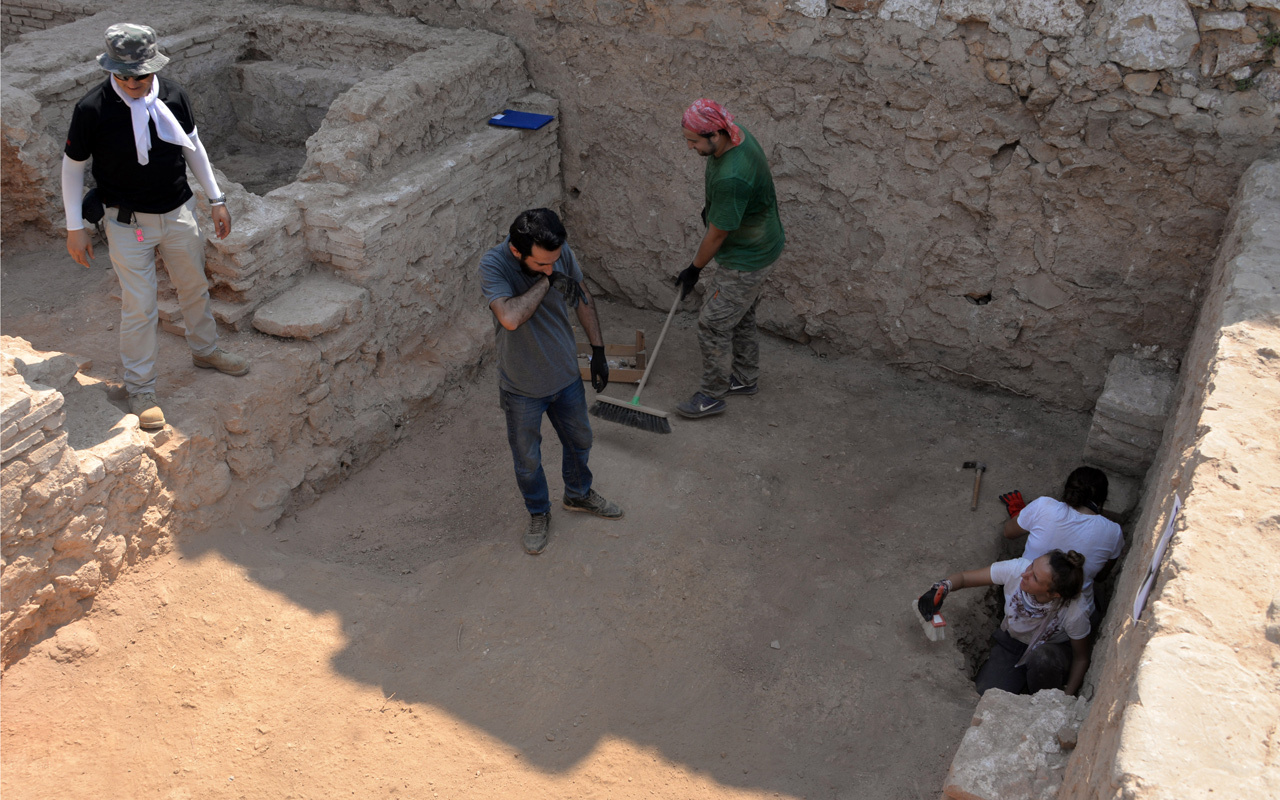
[(567, 410)]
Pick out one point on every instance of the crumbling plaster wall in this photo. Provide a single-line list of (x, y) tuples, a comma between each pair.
[(1187, 699), (1073, 166)]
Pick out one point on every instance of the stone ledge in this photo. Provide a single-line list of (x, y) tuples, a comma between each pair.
[(317, 305)]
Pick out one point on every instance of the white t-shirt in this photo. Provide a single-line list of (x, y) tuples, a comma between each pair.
[(1023, 615), (1054, 525)]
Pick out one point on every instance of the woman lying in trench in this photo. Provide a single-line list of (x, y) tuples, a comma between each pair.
[(1043, 641)]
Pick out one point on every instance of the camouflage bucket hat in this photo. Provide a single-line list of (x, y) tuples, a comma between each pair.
[(131, 50)]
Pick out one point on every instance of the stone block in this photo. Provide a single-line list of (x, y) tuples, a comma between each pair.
[(1232, 57), (43, 456), (1050, 17), (1099, 442), (16, 401), (18, 474), (54, 370), (1122, 495), (22, 444), (1137, 393), (1222, 21), (1148, 34), (1012, 750), (1113, 463), (43, 403), (314, 307), (1140, 439), (921, 13)]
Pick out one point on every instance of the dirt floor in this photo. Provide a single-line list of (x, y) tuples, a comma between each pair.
[(743, 632)]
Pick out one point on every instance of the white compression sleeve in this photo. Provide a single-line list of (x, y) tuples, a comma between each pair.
[(73, 191), (198, 160)]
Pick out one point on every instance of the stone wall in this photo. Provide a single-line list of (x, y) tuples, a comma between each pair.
[(1010, 190), (82, 491), (1185, 701), (354, 291), (25, 16)]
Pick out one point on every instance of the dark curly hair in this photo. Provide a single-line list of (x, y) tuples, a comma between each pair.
[(538, 226)]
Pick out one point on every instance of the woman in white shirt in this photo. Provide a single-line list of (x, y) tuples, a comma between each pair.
[(1043, 641), (1073, 523)]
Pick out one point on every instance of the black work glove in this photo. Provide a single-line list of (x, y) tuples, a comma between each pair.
[(687, 279), (567, 287), (931, 601), (599, 369)]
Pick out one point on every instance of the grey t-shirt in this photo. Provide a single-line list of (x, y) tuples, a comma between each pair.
[(540, 357)]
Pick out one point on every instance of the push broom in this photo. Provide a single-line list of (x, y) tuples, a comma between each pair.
[(632, 413)]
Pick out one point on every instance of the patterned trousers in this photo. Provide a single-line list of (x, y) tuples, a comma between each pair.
[(727, 329)]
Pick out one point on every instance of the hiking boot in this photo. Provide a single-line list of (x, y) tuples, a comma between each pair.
[(593, 503), (736, 386), (700, 405), (537, 534), (222, 361), (150, 417)]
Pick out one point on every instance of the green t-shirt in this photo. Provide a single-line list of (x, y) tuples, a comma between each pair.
[(741, 200)]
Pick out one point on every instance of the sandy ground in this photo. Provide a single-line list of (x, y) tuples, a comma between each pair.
[(743, 632)]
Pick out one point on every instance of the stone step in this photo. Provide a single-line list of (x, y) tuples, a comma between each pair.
[(317, 305)]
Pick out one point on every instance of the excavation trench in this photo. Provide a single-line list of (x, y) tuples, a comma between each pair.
[(309, 584), (741, 630)]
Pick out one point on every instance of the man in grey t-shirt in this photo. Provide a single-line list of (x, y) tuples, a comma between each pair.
[(531, 281)]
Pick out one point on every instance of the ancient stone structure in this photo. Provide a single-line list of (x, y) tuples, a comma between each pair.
[(1006, 191), (1017, 747), (363, 270), (25, 16), (1129, 416)]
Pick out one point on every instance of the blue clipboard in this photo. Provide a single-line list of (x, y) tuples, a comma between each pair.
[(520, 119)]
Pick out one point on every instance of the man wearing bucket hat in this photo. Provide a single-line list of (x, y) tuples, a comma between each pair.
[(745, 237), (140, 131)]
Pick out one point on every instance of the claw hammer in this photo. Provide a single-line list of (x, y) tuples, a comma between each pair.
[(978, 468)]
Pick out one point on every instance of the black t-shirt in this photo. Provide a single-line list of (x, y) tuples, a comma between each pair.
[(102, 128)]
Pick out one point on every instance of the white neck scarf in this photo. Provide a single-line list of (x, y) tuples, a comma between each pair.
[(153, 108)]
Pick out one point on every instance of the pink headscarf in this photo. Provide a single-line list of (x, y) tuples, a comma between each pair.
[(707, 116)]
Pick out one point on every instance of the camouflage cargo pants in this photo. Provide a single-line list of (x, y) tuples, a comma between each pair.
[(727, 329)]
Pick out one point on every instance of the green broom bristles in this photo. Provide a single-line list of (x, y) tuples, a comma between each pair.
[(631, 414)]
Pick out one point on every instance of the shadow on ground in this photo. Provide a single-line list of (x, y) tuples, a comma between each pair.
[(748, 617)]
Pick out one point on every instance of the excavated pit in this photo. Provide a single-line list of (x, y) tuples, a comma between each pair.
[(311, 583)]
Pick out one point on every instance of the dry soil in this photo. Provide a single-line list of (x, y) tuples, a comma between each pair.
[(742, 632)]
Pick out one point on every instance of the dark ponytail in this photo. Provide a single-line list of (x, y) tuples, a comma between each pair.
[(1086, 487), (1068, 573)]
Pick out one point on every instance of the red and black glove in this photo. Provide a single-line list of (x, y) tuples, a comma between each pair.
[(931, 601), (1014, 502)]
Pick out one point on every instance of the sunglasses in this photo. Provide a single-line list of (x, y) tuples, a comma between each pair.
[(128, 79)]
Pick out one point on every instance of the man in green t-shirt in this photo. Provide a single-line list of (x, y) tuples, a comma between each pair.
[(744, 235)]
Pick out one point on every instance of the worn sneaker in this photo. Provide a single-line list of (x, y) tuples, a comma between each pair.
[(700, 405), (593, 503), (736, 386), (537, 534), (222, 361), (150, 417)]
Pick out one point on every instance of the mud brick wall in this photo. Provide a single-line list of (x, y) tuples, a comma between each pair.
[(77, 506), (25, 16)]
